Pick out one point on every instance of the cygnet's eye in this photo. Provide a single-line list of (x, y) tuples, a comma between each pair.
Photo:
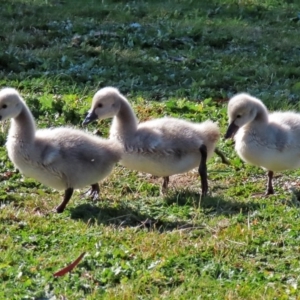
[(238, 116), (100, 105), (4, 106)]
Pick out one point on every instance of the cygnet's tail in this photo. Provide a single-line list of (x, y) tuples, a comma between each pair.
[(211, 132)]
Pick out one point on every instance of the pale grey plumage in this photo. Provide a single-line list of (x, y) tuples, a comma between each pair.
[(268, 140), (161, 147), (62, 158)]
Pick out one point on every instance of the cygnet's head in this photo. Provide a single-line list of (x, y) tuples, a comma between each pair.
[(11, 103), (105, 104), (242, 109)]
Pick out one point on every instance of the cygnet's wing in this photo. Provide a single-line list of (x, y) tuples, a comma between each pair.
[(166, 135), (47, 147), (285, 129)]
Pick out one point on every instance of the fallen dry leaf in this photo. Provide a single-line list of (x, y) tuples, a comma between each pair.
[(70, 267)]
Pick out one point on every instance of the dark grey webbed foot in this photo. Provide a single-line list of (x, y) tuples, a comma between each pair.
[(203, 170), (269, 192), (164, 187), (166, 182), (67, 197), (93, 192)]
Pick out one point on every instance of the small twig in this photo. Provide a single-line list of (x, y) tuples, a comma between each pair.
[(234, 242), (248, 221), (191, 228), (119, 217)]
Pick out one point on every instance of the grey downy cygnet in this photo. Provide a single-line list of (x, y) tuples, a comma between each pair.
[(263, 139), (161, 147), (62, 158)]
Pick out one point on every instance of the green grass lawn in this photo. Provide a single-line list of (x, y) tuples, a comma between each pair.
[(181, 58)]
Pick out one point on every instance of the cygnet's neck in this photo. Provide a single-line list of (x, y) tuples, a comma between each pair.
[(23, 126), (261, 114), (125, 122)]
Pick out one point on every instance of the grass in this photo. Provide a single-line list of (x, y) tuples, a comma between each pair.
[(178, 58)]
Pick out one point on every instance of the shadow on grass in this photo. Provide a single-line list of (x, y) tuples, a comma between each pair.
[(125, 215), (122, 216), (212, 205)]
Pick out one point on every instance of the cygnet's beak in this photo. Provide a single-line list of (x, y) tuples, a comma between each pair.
[(231, 130), (91, 116)]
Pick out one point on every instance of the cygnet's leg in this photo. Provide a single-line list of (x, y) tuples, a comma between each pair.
[(203, 169), (223, 158), (165, 184), (270, 189), (67, 197)]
